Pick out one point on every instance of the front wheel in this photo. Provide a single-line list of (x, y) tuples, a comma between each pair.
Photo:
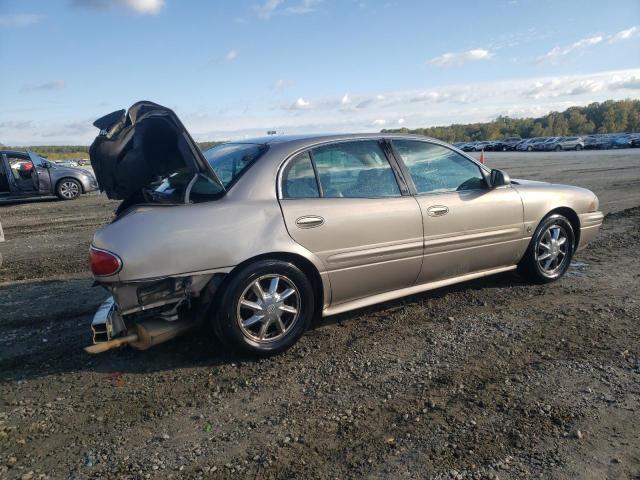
[(578, 148), (265, 307), (68, 189), (558, 148), (550, 251)]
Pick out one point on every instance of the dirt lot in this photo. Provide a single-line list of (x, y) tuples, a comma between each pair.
[(491, 378)]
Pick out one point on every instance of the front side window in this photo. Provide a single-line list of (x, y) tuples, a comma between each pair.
[(230, 160), (355, 170), (299, 179), (437, 169)]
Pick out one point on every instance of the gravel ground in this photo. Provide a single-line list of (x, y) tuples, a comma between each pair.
[(491, 378)]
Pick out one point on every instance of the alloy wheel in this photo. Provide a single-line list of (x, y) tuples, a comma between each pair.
[(552, 249), (69, 189), (268, 308)]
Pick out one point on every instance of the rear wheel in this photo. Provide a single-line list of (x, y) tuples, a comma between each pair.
[(529, 149), (68, 189), (550, 251), (558, 148), (265, 307)]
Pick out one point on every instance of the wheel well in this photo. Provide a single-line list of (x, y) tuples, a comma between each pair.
[(572, 216), (303, 264), (71, 178)]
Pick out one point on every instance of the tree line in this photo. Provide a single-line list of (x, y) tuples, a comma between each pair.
[(606, 117)]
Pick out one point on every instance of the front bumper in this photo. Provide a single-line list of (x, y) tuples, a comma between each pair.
[(590, 224), (89, 183)]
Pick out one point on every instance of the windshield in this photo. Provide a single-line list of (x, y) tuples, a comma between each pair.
[(230, 160)]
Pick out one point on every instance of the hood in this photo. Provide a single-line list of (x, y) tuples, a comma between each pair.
[(519, 181), (143, 145)]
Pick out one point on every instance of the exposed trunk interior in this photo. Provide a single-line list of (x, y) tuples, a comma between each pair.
[(139, 149)]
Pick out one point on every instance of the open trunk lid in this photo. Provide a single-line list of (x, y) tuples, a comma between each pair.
[(138, 147)]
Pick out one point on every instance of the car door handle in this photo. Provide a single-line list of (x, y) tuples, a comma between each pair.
[(437, 210), (309, 221)]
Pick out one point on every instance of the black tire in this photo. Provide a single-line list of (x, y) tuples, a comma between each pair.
[(558, 148), (578, 147), (530, 267), (529, 149), (230, 314), (68, 189)]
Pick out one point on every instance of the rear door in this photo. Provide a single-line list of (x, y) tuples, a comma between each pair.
[(5, 186), (467, 226), (345, 203)]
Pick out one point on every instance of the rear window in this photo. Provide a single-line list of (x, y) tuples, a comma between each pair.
[(231, 160)]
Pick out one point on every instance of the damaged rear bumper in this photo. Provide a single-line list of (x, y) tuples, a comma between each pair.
[(110, 330), (144, 314)]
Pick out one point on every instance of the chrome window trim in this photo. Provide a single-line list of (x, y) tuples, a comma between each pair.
[(320, 143), (484, 170)]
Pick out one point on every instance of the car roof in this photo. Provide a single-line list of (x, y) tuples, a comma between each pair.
[(325, 137), (285, 145)]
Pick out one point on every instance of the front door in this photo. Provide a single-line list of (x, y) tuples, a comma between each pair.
[(343, 202), (41, 170), (468, 227)]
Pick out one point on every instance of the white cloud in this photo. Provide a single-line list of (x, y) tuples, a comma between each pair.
[(429, 97), (268, 8), (369, 101), (19, 20), (438, 106), (586, 86), (276, 7), (150, 7), (629, 83), (231, 55), (625, 34), (459, 58), (556, 53), (306, 6), (144, 7), (300, 104), (345, 99)]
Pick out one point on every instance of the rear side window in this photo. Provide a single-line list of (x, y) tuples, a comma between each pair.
[(355, 170), (230, 160), (436, 169), (299, 179)]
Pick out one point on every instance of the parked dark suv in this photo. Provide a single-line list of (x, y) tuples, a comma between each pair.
[(25, 174)]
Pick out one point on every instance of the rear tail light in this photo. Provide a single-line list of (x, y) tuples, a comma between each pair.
[(104, 263)]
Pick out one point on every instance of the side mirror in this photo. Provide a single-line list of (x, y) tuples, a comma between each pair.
[(499, 178)]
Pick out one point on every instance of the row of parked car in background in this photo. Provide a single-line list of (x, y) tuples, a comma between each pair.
[(557, 144)]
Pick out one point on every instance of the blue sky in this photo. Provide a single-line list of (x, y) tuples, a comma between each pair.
[(232, 69)]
